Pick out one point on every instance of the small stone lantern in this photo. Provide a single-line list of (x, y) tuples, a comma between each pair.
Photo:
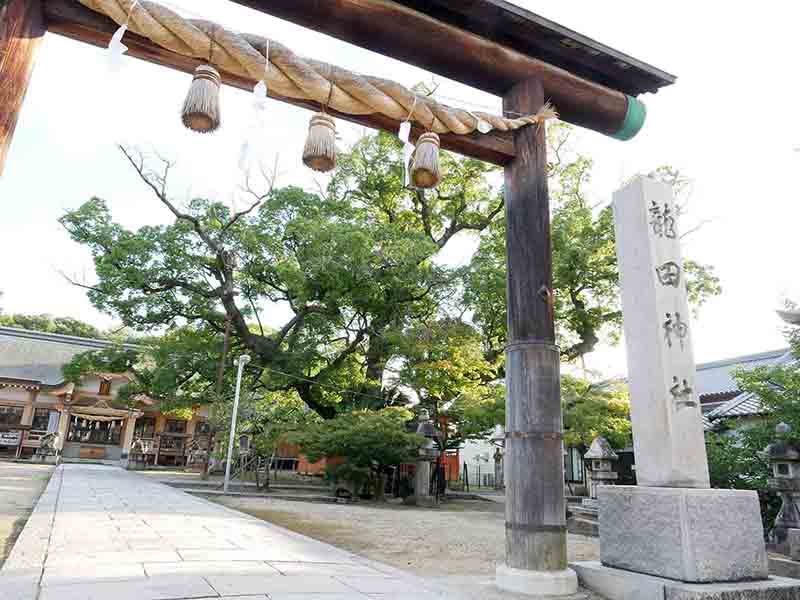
[(784, 458), (600, 459), (427, 454)]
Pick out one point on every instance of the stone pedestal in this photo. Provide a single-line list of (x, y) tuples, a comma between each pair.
[(691, 535), (616, 584), (422, 485), (538, 583)]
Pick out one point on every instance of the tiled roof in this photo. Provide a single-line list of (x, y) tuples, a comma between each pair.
[(706, 423), (38, 357), (745, 404), (717, 377)]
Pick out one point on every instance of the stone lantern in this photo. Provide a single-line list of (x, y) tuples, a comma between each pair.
[(784, 458), (427, 454), (499, 440), (599, 461), (600, 458)]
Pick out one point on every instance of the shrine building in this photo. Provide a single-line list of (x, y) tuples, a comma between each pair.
[(92, 424)]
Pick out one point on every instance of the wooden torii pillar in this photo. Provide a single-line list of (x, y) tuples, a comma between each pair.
[(499, 48), (21, 32)]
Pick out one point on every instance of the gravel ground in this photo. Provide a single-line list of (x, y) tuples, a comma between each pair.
[(463, 538), (21, 485)]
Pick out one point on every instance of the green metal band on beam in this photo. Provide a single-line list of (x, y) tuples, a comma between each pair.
[(634, 119)]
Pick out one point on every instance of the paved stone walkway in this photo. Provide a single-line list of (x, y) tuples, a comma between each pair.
[(21, 484), (101, 533)]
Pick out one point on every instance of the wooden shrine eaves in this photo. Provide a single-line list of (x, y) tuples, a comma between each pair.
[(72, 20), (536, 36), (409, 29)]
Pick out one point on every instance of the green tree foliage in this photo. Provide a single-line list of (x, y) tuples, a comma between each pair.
[(366, 440), (737, 462), (51, 324), (585, 276), (592, 410), (273, 417), (778, 388), (735, 451), (178, 368), (355, 266), (444, 363)]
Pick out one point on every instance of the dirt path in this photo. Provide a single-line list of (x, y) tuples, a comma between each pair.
[(21, 485), (463, 538)]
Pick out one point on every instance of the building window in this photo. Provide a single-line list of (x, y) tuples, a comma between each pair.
[(574, 465), (175, 426), (10, 415), (202, 428), (89, 431), (170, 444), (41, 418), (145, 428), (105, 387)]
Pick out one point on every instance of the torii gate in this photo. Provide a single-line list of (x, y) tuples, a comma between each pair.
[(499, 48)]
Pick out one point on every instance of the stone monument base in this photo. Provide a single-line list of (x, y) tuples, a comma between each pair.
[(687, 534), (536, 583), (616, 584)]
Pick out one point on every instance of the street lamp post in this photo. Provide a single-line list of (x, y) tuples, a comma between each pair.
[(241, 362)]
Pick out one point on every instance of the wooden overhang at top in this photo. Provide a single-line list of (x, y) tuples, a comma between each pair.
[(423, 32), (487, 44), (535, 36)]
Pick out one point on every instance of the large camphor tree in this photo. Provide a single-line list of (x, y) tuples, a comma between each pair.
[(357, 264)]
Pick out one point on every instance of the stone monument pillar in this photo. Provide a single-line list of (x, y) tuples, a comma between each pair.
[(671, 525)]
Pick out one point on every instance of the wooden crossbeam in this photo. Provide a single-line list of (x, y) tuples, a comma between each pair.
[(21, 33), (445, 48), (68, 18)]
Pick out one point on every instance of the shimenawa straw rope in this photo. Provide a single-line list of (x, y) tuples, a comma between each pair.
[(300, 78)]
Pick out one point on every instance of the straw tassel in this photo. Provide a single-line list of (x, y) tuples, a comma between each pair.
[(319, 152), (201, 108), (425, 163)]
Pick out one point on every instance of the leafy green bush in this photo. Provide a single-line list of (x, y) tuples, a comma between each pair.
[(367, 440), (737, 462)]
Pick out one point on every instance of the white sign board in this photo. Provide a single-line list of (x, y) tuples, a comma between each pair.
[(10, 438)]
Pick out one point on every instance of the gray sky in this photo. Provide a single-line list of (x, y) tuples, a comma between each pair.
[(730, 122)]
